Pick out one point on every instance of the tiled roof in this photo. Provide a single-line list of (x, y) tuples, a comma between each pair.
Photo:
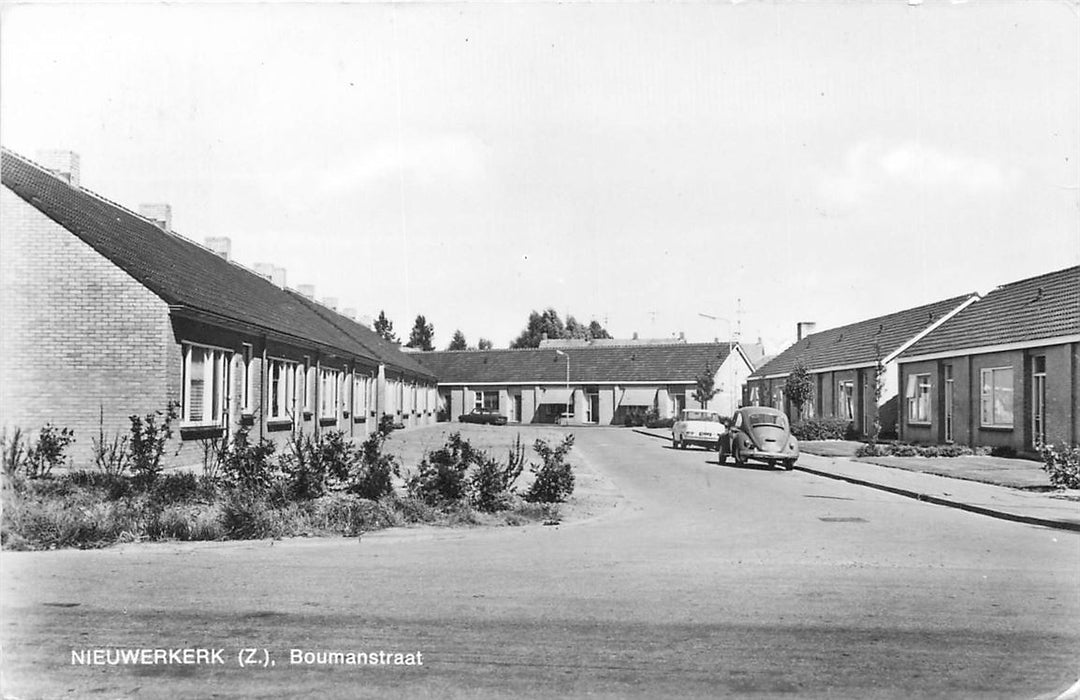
[(179, 271), (861, 343), (681, 362), (1047, 306), (369, 339)]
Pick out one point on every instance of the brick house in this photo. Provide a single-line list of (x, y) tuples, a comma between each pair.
[(1005, 371), (844, 363), (600, 384), (107, 314)]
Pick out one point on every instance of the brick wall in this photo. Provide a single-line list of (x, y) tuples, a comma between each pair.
[(78, 334)]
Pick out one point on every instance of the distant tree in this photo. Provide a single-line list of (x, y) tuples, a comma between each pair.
[(597, 332), (705, 385), (421, 334), (575, 330), (458, 341), (385, 327), (484, 344), (799, 387)]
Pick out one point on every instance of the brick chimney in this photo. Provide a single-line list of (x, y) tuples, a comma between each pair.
[(330, 303), (275, 274), (307, 290), (160, 214), (61, 163), (222, 245), (803, 329), (265, 270)]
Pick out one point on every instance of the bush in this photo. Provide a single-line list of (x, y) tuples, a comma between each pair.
[(147, 441), (244, 464), (1007, 451), (491, 485), (555, 477), (441, 476), (825, 428), (660, 423), (314, 465), (247, 514), (371, 477), (36, 460), (1062, 464), (883, 449)]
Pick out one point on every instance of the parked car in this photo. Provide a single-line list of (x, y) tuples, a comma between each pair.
[(761, 433), (483, 415), (697, 427)]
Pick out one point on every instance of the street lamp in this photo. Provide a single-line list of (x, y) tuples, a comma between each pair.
[(568, 407), (731, 348)]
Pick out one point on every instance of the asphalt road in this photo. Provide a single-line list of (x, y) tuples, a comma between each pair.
[(695, 580)]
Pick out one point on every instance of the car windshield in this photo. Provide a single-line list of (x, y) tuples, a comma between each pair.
[(702, 415), (777, 419)]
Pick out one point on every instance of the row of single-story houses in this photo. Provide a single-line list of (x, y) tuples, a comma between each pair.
[(108, 314), (999, 370), (598, 385)]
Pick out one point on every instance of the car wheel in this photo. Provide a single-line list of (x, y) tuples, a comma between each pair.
[(674, 443), (737, 454), (721, 457), (789, 464)]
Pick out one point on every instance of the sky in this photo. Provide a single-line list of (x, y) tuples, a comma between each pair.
[(645, 165)]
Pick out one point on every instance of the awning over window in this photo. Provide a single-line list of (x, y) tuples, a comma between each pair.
[(561, 396), (638, 397)]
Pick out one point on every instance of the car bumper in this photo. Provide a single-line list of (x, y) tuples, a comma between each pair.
[(702, 441), (770, 456)]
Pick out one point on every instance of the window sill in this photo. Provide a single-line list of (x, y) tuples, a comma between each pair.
[(920, 423), (998, 428), (328, 421), (247, 419), (277, 424), (201, 432), (359, 419)]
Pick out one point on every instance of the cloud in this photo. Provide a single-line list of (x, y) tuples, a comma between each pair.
[(871, 167), (446, 159)]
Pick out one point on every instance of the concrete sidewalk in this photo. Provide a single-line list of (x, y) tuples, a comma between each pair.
[(1034, 508)]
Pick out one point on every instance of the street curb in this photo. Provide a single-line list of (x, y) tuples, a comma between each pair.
[(937, 500), (926, 498)]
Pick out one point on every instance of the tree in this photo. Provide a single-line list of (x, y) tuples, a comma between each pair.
[(421, 334), (484, 344), (549, 325), (705, 385), (799, 386), (597, 332), (385, 327), (458, 341)]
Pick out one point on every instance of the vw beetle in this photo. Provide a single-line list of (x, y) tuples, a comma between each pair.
[(760, 433)]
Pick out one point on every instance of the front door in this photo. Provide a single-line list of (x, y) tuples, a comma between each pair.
[(517, 407), (1038, 401), (948, 404)]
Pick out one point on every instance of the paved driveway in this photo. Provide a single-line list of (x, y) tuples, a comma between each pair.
[(695, 580)]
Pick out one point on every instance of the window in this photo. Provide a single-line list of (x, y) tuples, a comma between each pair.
[(329, 381), (755, 395), (996, 399), (246, 381), (360, 392), (206, 382), (845, 399), (400, 396), (487, 399), (918, 398), (306, 378), (372, 391), (281, 382)]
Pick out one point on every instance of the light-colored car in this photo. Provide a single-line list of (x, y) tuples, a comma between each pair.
[(761, 433), (697, 427)]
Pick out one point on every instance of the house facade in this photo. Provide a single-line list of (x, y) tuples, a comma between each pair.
[(1004, 372), (108, 314), (853, 368), (599, 385)]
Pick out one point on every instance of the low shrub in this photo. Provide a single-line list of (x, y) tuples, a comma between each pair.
[(148, 437), (554, 477), (1007, 451), (491, 485), (884, 449), (824, 428), (660, 423), (348, 515), (247, 514), (1062, 465), (440, 478), (244, 464), (372, 475)]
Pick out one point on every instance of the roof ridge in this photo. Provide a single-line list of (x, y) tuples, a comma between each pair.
[(872, 319)]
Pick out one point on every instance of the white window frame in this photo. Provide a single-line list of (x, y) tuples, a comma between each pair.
[(919, 398), (988, 397), (247, 396), (214, 408), (845, 399), (359, 397), (329, 392), (284, 409)]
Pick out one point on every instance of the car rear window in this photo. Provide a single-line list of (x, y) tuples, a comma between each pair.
[(777, 419)]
